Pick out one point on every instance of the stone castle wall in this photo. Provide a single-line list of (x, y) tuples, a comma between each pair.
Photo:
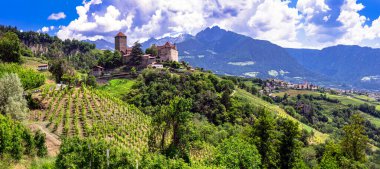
[(121, 44), (168, 54)]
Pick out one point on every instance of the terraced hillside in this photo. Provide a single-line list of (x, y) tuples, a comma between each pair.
[(87, 112), (319, 137)]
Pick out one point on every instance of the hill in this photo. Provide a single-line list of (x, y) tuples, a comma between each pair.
[(161, 41), (228, 53), (352, 65), (86, 112), (102, 44)]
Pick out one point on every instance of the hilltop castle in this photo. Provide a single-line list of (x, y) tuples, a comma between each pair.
[(166, 52)]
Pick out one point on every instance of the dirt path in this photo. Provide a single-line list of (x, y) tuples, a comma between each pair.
[(52, 141)]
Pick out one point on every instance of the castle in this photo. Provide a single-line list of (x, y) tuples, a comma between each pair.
[(166, 52)]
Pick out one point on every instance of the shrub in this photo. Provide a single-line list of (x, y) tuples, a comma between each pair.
[(29, 78)]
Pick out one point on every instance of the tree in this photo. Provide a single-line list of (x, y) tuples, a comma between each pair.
[(136, 54), (152, 50), (355, 141), (179, 115), (264, 136), (39, 139), (60, 67), (236, 153), (331, 156), (226, 99), (289, 148), (12, 102), (10, 48), (133, 71), (29, 78), (91, 81)]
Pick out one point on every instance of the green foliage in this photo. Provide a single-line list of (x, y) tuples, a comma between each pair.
[(289, 148), (152, 50), (91, 81), (10, 48), (136, 55), (264, 136), (110, 59), (331, 157), (56, 47), (91, 153), (355, 141), (158, 87), (84, 61), (12, 102), (157, 161), (39, 140), (117, 87), (16, 140), (30, 79), (237, 153), (43, 163), (60, 69), (178, 114), (172, 64)]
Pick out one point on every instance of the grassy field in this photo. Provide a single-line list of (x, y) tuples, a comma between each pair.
[(296, 92), (378, 107), (117, 87), (33, 63), (346, 100), (250, 83), (318, 136), (372, 119), (364, 98)]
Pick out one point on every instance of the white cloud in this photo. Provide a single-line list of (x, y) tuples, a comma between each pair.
[(57, 16), (275, 21), (326, 18), (46, 29), (310, 8), (312, 23), (352, 23)]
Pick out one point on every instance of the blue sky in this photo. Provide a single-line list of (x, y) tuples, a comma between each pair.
[(291, 23)]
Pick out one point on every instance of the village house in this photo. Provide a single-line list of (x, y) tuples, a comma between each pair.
[(156, 66), (305, 86), (43, 67), (97, 71), (166, 52)]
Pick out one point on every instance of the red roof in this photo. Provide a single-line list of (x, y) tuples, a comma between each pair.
[(121, 34), (167, 45)]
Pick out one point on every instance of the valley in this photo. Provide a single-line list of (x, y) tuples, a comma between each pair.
[(93, 109)]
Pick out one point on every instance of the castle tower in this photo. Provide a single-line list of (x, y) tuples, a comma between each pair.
[(121, 42)]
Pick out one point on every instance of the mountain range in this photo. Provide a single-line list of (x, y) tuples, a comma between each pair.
[(228, 53)]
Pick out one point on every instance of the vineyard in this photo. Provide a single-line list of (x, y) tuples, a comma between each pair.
[(86, 112)]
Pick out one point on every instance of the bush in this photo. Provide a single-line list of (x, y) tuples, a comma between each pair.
[(83, 153), (237, 153), (16, 140), (39, 139), (12, 102), (10, 48), (30, 79)]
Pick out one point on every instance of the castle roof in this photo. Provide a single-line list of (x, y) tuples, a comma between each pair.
[(120, 34), (167, 45)]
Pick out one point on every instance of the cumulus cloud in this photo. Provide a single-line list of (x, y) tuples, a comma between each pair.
[(310, 23), (57, 16), (46, 29)]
